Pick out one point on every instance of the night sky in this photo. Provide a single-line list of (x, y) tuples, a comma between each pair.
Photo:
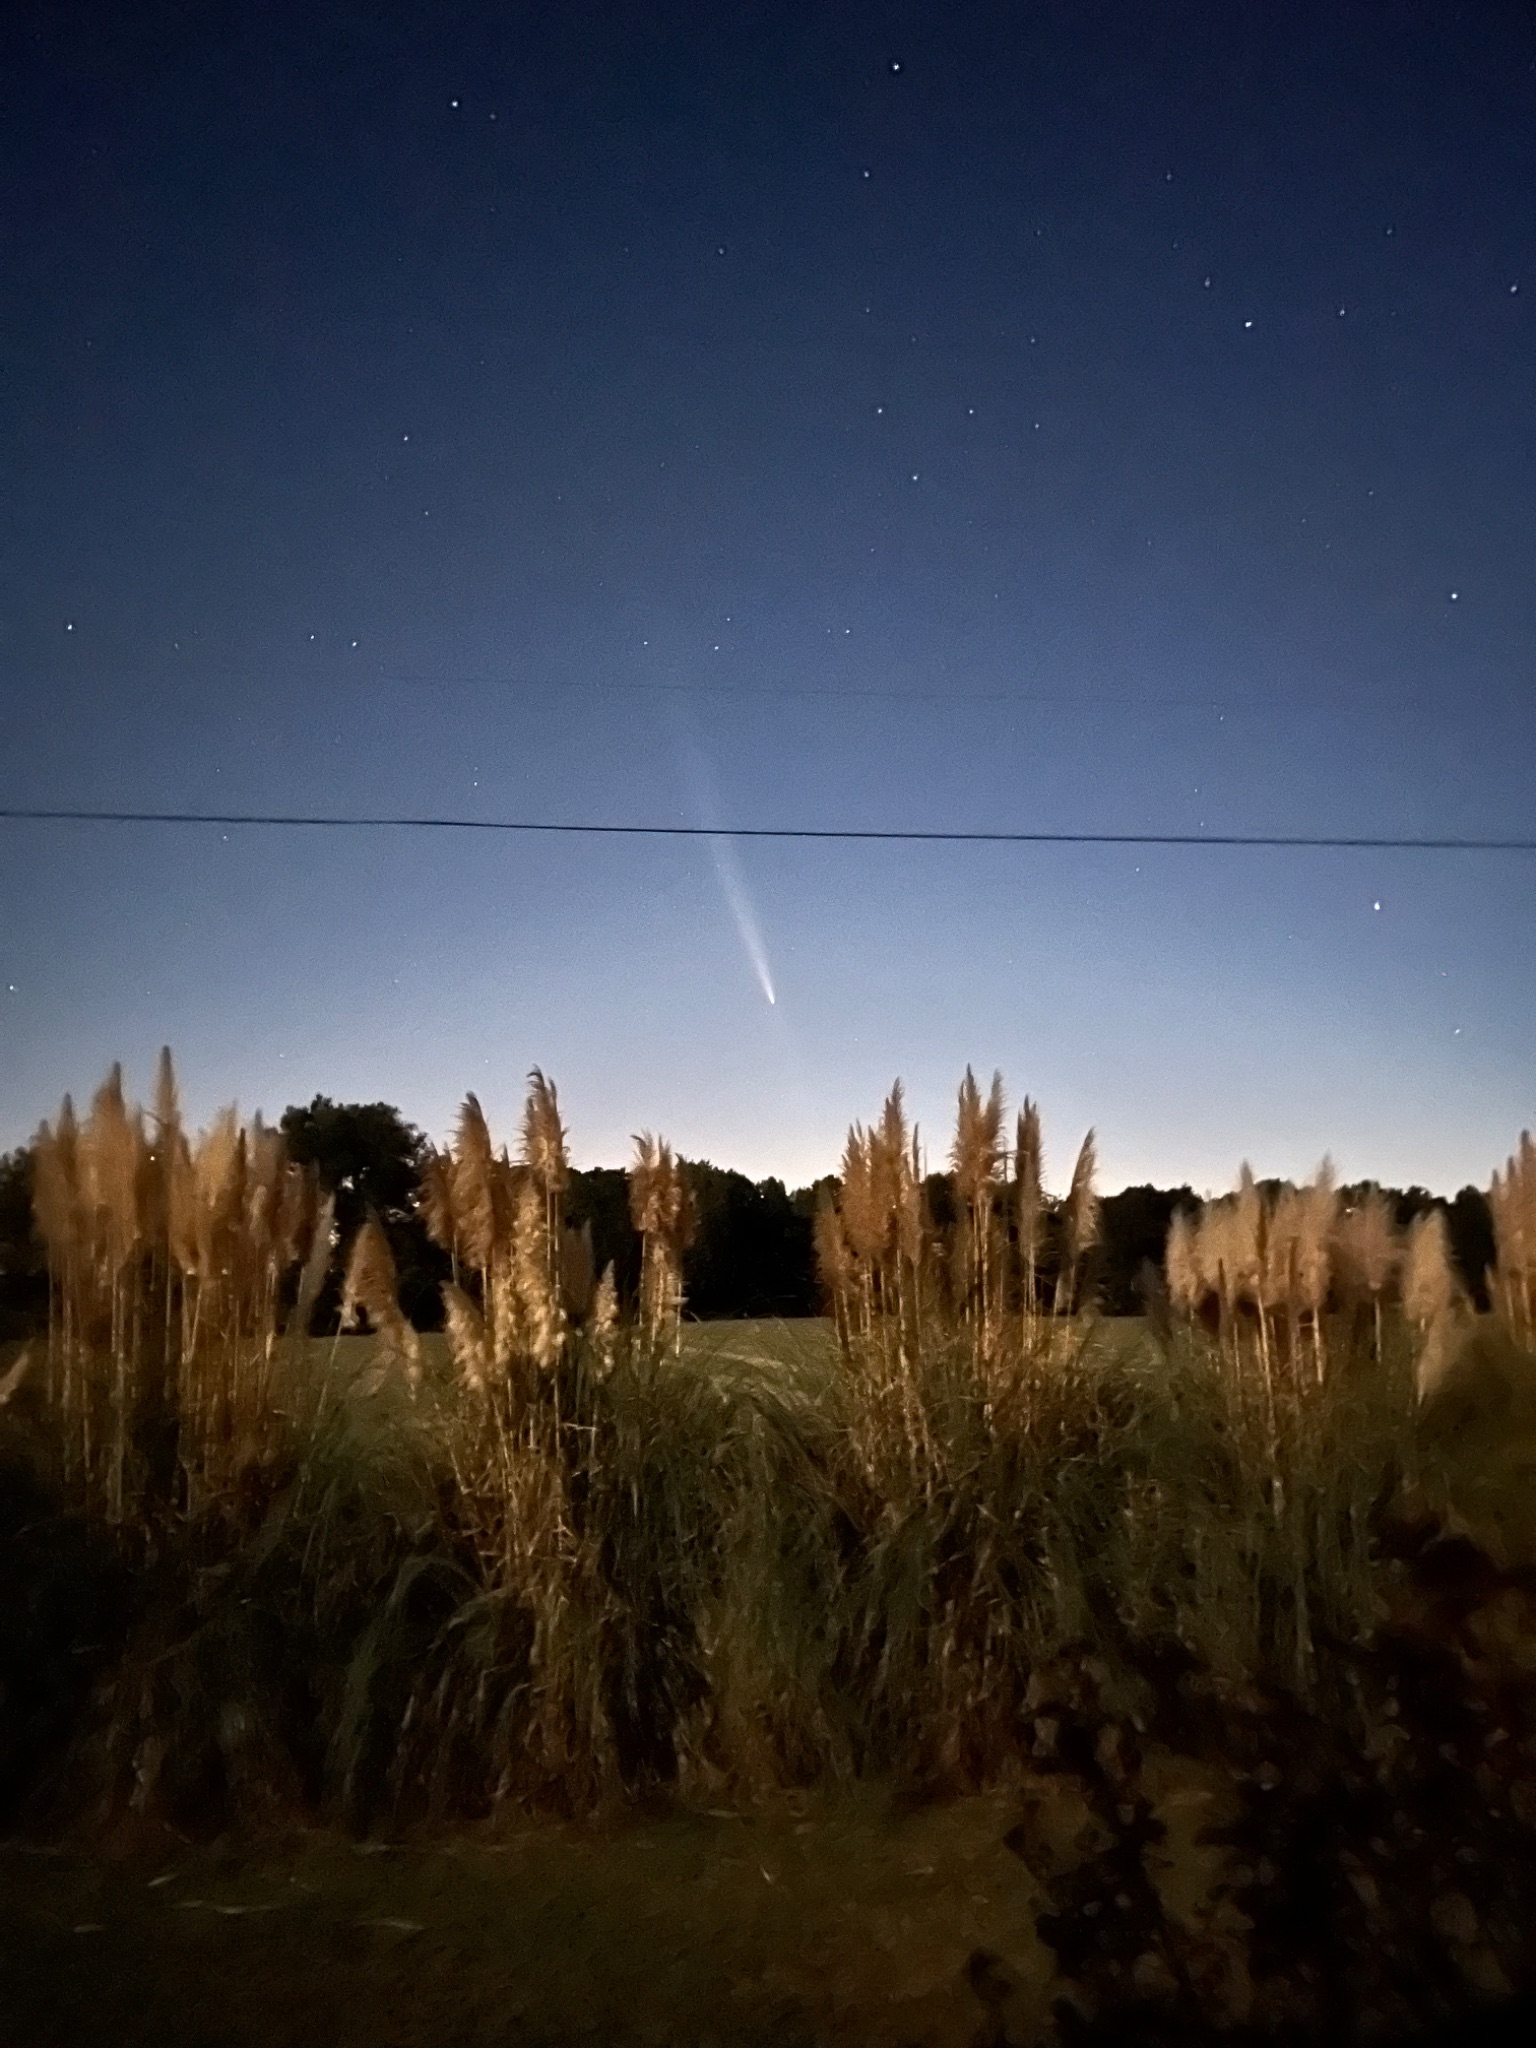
[(1037, 417)]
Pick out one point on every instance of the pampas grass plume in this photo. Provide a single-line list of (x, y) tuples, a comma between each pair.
[(1180, 1265), (474, 1207), (544, 1135), (1083, 1201), (466, 1338), (977, 1151)]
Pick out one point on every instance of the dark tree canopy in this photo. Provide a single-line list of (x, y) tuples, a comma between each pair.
[(753, 1254), (1469, 1223), (600, 1197), (369, 1158), (23, 1266), (1133, 1229)]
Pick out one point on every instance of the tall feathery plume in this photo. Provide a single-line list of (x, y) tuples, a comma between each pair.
[(544, 1135), (1524, 1180), (1314, 1243), (434, 1202), (371, 1288), (56, 1207), (1179, 1264), (466, 1338), (167, 1109), (912, 1238), (1082, 1221), (474, 1203), (834, 1267), (218, 1169), (111, 1149), (317, 1263), (538, 1296), (975, 1160), (506, 1325), (1512, 1204), (162, 1138), (1248, 1237), (662, 1212), (682, 1228), (540, 1222), (55, 1197), (1367, 1249), (887, 1144), (165, 1280), (1282, 1247), (165, 1145), (1029, 1205), (603, 1321), (1431, 1295), (888, 1153), (863, 1222), (1212, 1258), (1501, 1272), (182, 1207), (1250, 1231)]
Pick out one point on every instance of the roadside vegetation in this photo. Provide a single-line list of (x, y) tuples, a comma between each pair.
[(562, 1560)]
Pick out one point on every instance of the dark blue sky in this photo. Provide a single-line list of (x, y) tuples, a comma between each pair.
[(1105, 418)]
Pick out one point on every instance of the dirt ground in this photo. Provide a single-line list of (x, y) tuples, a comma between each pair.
[(836, 1921)]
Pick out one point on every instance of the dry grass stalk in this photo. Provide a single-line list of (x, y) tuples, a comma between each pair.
[(661, 1209), (1433, 1301), (434, 1203), (1262, 1264), (1082, 1226), (1029, 1211), (976, 1161), (371, 1289), (1183, 1271), (166, 1267), (603, 1323), (1367, 1251), (1512, 1200)]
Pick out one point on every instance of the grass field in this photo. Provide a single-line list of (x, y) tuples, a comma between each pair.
[(589, 1673)]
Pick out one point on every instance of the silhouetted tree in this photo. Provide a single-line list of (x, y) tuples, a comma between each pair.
[(1469, 1224), (599, 1196), (1133, 1229), (369, 1157), (23, 1266), (752, 1255)]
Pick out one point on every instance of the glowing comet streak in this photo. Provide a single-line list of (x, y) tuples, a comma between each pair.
[(698, 774), (733, 887)]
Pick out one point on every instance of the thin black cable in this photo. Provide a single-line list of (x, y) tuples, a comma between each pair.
[(427, 824)]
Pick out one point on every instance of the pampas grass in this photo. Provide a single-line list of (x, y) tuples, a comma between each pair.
[(167, 1262), (1512, 1199), (569, 1560)]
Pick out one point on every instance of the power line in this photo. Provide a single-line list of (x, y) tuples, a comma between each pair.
[(1317, 841)]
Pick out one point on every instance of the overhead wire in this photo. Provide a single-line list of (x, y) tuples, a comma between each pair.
[(1372, 842)]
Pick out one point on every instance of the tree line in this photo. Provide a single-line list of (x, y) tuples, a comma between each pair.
[(752, 1254)]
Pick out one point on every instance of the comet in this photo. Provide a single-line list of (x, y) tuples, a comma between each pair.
[(733, 886)]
